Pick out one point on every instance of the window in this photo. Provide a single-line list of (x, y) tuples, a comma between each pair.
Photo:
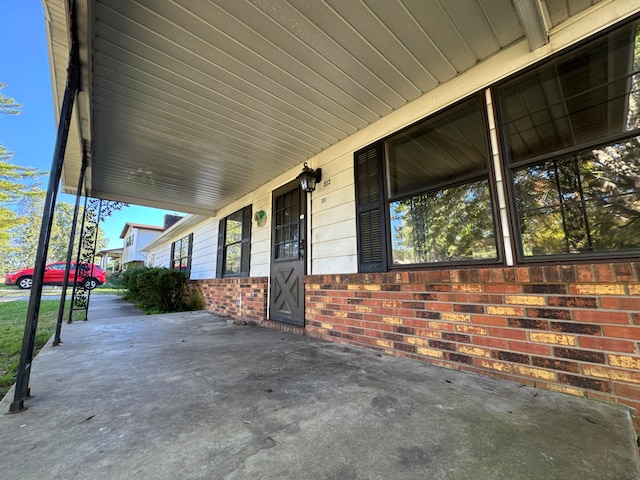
[(571, 132), (440, 208), (234, 241), (129, 241), (437, 195), (286, 226), (181, 254)]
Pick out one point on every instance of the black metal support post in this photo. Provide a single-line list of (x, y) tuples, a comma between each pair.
[(63, 295), (28, 341)]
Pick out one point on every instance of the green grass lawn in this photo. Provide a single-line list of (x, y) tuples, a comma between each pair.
[(12, 319), (13, 291)]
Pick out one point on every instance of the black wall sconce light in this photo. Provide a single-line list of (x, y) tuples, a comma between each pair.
[(309, 178)]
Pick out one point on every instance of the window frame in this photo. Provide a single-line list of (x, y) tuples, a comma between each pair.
[(510, 167), (515, 220), (173, 259), (244, 242), (487, 173)]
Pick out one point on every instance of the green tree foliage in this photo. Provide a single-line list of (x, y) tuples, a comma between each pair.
[(62, 225), (582, 203), (8, 106), (21, 250), (16, 182), (13, 189), (21, 208)]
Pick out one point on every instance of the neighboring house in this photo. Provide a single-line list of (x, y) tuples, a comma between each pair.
[(479, 199), (135, 236), (110, 259)]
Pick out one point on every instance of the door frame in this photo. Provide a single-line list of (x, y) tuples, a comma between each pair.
[(297, 318)]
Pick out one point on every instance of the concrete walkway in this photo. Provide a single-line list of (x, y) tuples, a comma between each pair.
[(191, 396)]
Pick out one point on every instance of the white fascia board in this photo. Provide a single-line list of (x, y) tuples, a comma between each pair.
[(181, 226)]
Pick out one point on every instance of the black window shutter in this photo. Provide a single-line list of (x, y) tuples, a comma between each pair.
[(189, 254), (371, 224), (173, 252), (246, 242), (220, 260)]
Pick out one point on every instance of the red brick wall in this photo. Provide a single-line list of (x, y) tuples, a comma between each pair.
[(572, 329), (242, 298)]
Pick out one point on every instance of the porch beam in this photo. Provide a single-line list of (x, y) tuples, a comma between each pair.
[(533, 17)]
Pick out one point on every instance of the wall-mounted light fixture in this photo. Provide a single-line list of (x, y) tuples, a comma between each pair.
[(309, 178)]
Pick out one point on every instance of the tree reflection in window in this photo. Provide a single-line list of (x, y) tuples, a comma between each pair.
[(447, 225), (571, 129), (233, 244), (588, 202), (440, 207), (234, 241), (181, 253)]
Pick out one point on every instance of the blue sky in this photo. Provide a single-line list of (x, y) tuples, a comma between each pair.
[(31, 135)]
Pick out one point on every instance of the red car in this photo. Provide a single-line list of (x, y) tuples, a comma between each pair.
[(91, 276)]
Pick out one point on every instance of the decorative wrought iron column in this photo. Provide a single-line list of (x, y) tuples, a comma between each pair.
[(95, 211)]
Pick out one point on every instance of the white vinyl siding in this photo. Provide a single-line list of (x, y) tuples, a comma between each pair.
[(333, 229), (261, 239), (159, 257), (203, 257)]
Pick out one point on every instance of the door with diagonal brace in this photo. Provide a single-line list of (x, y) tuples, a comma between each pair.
[(288, 246)]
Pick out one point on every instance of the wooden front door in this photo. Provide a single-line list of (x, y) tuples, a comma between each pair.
[(288, 246)]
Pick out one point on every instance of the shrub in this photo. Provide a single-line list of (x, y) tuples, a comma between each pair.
[(114, 280), (195, 300), (156, 290)]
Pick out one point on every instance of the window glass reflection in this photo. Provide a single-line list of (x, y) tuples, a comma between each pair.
[(585, 96), (233, 256), (448, 225), (588, 202)]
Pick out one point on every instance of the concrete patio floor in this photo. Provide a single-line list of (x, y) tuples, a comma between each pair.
[(192, 396)]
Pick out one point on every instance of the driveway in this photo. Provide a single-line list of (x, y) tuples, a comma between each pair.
[(193, 396)]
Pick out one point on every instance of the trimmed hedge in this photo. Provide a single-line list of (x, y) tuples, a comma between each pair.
[(156, 290)]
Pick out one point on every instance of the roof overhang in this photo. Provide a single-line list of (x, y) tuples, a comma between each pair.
[(110, 252), (181, 227), (189, 105), (140, 226)]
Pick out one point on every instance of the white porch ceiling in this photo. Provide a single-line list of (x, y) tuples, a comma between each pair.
[(189, 105)]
